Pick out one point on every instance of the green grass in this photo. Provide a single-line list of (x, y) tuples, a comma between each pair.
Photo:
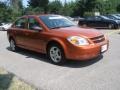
[(10, 82)]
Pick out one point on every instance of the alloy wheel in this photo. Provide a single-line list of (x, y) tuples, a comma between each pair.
[(55, 54), (110, 26), (12, 45)]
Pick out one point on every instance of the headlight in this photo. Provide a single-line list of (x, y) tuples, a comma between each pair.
[(78, 41)]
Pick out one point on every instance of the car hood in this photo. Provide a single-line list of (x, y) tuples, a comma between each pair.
[(77, 31)]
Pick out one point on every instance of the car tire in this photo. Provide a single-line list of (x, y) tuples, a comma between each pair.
[(56, 54), (13, 46), (84, 25), (116, 26), (110, 26), (3, 29)]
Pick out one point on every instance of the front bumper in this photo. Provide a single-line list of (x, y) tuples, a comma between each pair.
[(86, 52)]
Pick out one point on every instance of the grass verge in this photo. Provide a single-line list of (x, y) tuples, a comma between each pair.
[(10, 82)]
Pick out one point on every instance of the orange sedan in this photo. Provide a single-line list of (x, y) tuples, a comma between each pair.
[(57, 37)]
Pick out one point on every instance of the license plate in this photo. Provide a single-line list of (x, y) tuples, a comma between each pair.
[(104, 48)]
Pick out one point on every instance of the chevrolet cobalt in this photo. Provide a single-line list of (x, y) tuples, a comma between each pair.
[(57, 37)]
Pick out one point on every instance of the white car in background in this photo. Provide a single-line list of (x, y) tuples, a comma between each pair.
[(5, 26)]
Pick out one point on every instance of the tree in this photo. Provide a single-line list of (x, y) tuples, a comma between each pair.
[(39, 3), (17, 7), (83, 6), (68, 8), (11, 10), (30, 10), (105, 6), (5, 13), (118, 8), (2, 9), (55, 7), (15, 4)]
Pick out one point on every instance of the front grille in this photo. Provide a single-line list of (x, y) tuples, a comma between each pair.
[(98, 39)]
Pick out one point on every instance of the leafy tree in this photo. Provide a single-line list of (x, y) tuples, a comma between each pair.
[(2, 9), (58, 8), (17, 8), (15, 4), (5, 13), (83, 6), (39, 3), (118, 8), (55, 7), (105, 6), (2, 5), (30, 10), (68, 8)]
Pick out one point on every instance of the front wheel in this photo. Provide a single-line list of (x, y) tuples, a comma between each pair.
[(116, 26), (56, 54), (3, 28)]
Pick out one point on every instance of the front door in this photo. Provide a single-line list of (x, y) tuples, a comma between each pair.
[(35, 37)]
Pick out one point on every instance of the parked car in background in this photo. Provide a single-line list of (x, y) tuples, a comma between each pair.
[(1, 28), (117, 15), (5, 26), (113, 16), (77, 18), (56, 36), (99, 22), (70, 18)]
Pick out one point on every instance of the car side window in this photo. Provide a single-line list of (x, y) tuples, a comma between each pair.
[(98, 18), (32, 23), (90, 18), (21, 23)]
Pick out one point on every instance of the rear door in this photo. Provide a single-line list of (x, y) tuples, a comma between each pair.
[(19, 29), (91, 21)]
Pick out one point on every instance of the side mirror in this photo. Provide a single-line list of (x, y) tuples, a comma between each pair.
[(37, 28)]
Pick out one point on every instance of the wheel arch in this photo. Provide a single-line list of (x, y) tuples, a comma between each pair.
[(59, 42), (11, 38)]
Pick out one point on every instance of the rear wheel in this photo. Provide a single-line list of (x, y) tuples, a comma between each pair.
[(13, 46), (56, 54), (110, 26), (84, 25)]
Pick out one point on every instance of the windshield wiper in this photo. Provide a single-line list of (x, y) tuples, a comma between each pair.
[(69, 26), (61, 26), (55, 27)]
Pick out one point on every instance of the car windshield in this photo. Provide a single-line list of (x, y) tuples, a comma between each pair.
[(104, 17), (56, 21), (111, 17), (116, 17)]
